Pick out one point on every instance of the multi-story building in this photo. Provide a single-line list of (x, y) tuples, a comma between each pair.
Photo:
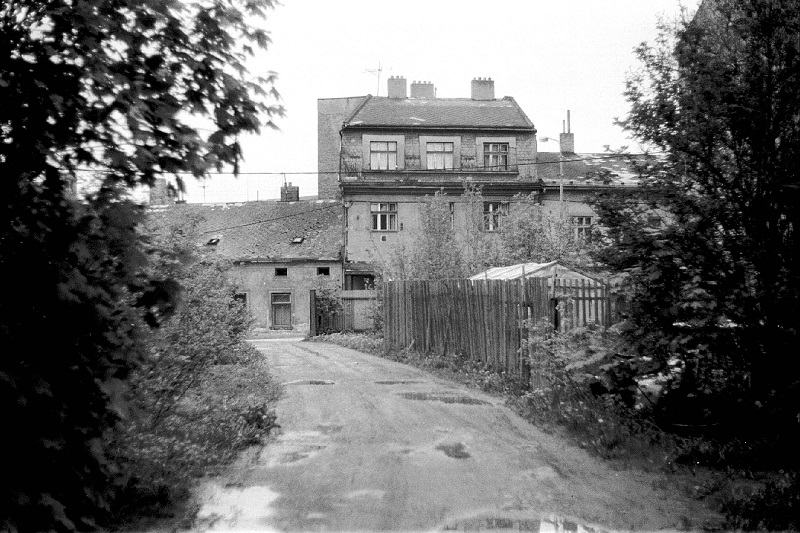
[(383, 155)]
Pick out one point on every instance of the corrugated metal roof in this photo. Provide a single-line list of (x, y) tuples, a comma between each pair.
[(440, 112), (530, 270), (267, 230)]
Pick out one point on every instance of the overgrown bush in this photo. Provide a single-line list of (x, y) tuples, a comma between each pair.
[(202, 394), (231, 408)]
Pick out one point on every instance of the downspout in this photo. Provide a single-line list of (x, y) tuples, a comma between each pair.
[(344, 207)]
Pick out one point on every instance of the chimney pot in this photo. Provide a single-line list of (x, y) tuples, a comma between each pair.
[(423, 89), (567, 139), (290, 193), (396, 87), (482, 89)]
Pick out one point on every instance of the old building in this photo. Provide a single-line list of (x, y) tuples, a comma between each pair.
[(281, 250), (383, 155)]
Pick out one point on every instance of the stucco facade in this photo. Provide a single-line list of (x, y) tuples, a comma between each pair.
[(278, 293), (396, 150)]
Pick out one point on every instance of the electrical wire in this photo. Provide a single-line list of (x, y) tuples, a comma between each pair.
[(524, 163)]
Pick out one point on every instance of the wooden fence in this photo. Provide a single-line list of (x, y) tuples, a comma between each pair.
[(487, 320), (357, 313)]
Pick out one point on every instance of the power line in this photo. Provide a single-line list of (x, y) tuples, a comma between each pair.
[(523, 163)]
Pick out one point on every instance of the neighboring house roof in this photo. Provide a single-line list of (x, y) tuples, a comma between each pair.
[(381, 111), (553, 269), (587, 168), (261, 231)]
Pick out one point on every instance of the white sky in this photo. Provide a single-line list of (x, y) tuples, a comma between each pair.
[(549, 55)]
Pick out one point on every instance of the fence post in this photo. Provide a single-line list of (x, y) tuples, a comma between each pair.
[(313, 311)]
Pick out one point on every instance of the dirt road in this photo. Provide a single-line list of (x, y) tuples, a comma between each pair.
[(368, 444)]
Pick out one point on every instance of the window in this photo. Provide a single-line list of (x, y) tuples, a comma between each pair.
[(583, 228), (452, 215), (281, 307), (439, 155), (492, 211), (359, 282), (241, 298), (383, 155), (323, 271), (495, 156), (281, 271), (384, 217)]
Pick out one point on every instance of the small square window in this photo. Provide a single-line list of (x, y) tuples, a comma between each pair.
[(323, 271), (281, 271), (241, 297)]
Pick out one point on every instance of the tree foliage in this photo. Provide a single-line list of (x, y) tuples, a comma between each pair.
[(716, 284), (449, 247), (117, 88)]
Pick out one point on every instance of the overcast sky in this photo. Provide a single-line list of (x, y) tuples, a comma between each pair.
[(549, 55)]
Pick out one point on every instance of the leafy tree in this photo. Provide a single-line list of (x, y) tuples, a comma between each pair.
[(716, 284), (436, 252), (531, 234), (117, 88)]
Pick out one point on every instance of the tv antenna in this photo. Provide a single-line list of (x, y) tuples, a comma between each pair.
[(204, 185), (377, 72)]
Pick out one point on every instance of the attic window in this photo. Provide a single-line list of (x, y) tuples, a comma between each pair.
[(298, 240), (213, 242)]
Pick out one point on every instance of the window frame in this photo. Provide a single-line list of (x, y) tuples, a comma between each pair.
[(493, 211), (511, 154), (423, 148), (376, 216), (244, 297), (366, 151), (583, 227)]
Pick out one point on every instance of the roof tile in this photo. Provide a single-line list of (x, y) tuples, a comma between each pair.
[(261, 230), (440, 112)]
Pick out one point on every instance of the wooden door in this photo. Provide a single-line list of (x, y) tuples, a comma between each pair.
[(281, 303)]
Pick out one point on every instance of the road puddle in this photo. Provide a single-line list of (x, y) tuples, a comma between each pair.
[(226, 508), (446, 398), (551, 524), (309, 382), (456, 451)]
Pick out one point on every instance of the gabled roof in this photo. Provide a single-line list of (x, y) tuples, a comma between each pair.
[(381, 111), (552, 269), (265, 231), (587, 168)]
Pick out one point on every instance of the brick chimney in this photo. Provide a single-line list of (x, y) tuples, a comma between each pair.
[(422, 89), (396, 87), (290, 193), (482, 89), (160, 193), (566, 139)]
